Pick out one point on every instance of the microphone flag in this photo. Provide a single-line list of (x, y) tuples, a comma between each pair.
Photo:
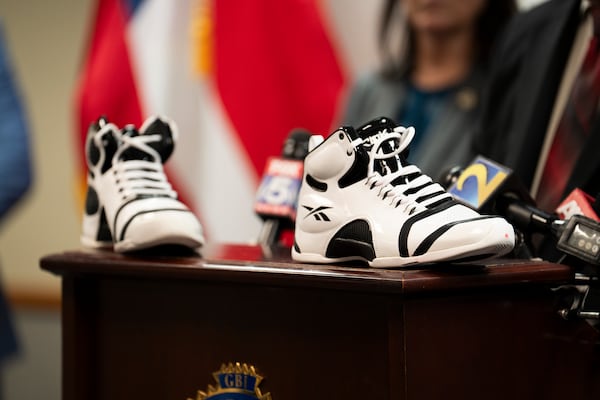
[(277, 195), (577, 203), (480, 183)]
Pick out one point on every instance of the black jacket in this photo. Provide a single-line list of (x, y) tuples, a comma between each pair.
[(525, 78)]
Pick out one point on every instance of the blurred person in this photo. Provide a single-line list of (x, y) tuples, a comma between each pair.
[(435, 61), (540, 116), (15, 168), (15, 174)]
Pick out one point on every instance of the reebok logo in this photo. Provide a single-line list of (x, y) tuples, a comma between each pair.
[(317, 213)]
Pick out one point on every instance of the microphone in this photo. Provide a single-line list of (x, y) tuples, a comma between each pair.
[(578, 203), (277, 195), (493, 188), (579, 236)]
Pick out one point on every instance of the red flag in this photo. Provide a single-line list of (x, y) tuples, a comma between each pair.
[(276, 70)]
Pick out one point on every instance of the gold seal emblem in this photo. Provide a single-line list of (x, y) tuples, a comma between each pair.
[(234, 382)]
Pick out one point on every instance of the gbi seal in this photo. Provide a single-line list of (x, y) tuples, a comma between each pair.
[(235, 382)]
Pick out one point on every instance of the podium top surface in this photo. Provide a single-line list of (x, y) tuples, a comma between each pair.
[(247, 264)]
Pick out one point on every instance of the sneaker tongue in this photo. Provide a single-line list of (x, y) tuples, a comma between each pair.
[(376, 126), (131, 152), (163, 145), (379, 125), (130, 131)]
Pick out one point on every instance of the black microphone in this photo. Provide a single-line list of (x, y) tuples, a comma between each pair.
[(277, 195), (490, 187), (295, 146)]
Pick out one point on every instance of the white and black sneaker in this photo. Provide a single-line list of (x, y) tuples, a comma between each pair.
[(361, 200), (130, 204)]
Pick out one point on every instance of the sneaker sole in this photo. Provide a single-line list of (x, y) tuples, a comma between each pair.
[(125, 246), (488, 247)]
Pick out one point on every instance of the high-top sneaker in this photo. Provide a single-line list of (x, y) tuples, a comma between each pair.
[(360, 200), (141, 208)]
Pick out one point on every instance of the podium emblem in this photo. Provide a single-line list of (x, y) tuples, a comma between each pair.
[(235, 381)]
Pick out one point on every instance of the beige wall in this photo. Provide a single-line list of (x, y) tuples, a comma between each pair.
[(46, 40)]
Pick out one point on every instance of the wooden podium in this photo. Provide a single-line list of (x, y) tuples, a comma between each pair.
[(158, 327)]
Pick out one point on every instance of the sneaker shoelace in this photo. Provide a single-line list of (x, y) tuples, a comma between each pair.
[(141, 178), (407, 186)]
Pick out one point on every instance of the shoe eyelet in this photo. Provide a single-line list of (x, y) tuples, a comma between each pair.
[(341, 136)]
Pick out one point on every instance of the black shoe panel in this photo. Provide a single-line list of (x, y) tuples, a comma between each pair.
[(315, 184), (110, 144), (353, 239), (104, 234), (358, 171), (165, 145), (92, 204), (93, 153)]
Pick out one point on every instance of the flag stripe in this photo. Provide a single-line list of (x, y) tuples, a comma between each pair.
[(275, 71), (107, 85)]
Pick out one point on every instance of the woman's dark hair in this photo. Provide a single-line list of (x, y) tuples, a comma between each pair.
[(494, 16)]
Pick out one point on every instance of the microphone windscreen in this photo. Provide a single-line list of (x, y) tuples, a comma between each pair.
[(295, 145)]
